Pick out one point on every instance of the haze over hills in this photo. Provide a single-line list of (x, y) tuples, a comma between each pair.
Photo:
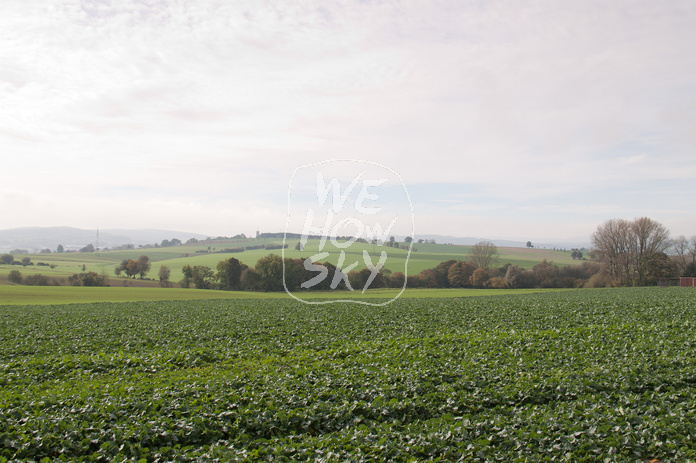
[(34, 239), (468, 240)]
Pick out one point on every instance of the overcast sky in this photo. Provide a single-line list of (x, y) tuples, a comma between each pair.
[(505, 119)]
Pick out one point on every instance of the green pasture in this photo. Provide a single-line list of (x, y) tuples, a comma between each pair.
[(426, 256), (33, 295)]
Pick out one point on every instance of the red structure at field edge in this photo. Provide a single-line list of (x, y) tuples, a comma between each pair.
[(685, 282)]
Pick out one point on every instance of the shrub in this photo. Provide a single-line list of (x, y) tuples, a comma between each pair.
[(88, 279), (600, 280), (497, 283), (397, 280), (546, 273), (517, 277), (479, 277), (39, 280), (250, 280), (15, 276)]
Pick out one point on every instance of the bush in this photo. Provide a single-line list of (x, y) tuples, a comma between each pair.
[(517, 277), (583, 271), (397, 280), (690, 270), (599, 280), (250, 280), (15, 276), (39, 280), (88, 279), (546, 273), (230, 250), (497, 283), (415, 281)]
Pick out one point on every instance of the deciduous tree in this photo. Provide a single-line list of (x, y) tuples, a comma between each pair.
[(202, 277), (484, 254), (397, 279), (546, 274), (15, 276), (250, 280), (518, 277), (656, 266), (479, 277), (88, 279), (143, 266), (441, 273), (651, 237), (131, 268), (692, 248), (164, 273), (680, 248), (622, 244), (270, 270), (229, 273), (459, 274)]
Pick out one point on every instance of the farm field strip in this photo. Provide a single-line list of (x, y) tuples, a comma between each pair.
[(582, 376), (23, 295), (427, 256)]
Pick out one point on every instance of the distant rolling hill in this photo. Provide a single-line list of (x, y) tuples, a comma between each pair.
[(34, 239), (469, 241)]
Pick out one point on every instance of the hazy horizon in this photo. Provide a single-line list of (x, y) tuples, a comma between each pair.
[(505, 121), (151, 236)]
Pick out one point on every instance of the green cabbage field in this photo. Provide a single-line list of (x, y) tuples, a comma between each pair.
[(577, 376)]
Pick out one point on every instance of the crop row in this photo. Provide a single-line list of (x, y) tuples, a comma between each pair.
[(574, 376)]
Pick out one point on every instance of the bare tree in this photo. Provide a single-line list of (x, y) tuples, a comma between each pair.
[(164, 274), (692, 249), (484, 254), (680, 248), (650, 237), (612, 244), (622, 244)]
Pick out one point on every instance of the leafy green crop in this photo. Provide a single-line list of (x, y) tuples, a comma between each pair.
[(594, 375)]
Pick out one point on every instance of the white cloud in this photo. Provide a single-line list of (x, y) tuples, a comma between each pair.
[(548, 102)]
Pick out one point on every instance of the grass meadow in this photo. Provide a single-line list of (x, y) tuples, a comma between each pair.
[(40, 295), (425, 256)]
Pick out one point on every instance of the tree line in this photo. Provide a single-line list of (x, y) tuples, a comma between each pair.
[(640, 252), (479, 270), (625, 253)]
